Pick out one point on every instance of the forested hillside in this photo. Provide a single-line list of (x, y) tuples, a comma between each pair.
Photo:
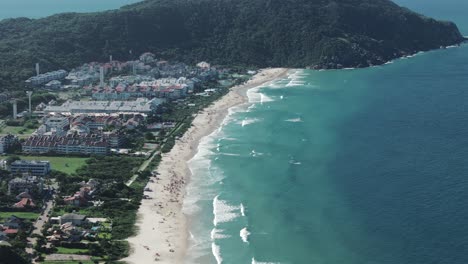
[(288, 33)]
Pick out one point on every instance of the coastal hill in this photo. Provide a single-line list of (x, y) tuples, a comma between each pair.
[(286, 33)]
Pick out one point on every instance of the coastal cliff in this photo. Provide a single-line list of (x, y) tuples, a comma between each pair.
[(287, 33)]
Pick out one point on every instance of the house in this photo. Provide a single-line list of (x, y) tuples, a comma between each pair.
[(12, 222), (81, 197), (77, 199), (25, 203), (24, 184), (41, 107), (131, 123), (72, 218), (54, 84), (23, 195), (203, 65)]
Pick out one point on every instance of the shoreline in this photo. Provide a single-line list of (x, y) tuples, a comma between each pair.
[(162, 226)]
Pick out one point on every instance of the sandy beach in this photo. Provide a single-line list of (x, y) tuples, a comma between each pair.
[(163, 235)]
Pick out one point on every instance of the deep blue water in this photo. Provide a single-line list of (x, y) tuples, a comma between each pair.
[(43, 8), (360, 166)]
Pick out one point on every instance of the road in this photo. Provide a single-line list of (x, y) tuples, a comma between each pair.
[(41, 220)]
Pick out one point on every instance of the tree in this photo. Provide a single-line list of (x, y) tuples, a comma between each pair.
[(149, 136), (12, 159)]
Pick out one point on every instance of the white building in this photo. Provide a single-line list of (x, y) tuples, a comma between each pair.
[(36, 168), (46, 77), (140, 105)]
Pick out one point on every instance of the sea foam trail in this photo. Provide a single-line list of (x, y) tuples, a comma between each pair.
[(218, 234), (294, 120), (244, 234), (258, 262), (242, 209), (249, 121), (216, 253), (223, 212)]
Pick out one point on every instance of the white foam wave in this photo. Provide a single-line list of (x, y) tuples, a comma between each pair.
[(264, 98), (244, 234), (253, 153), (295, 162), (223, 212), (216, 253), (255, 96), (249, 121), (259, 262), (242, 209), (218, 234), (204, 175), (229, 139), (230, 154), (295, 82), (294, 120)]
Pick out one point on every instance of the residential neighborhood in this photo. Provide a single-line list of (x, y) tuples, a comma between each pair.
[(76, 163)]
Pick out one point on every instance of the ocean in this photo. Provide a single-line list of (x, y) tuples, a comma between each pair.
[(43, 8), (360, 166)]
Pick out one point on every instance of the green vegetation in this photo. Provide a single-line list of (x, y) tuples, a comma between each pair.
[(21, 98), (12, 255), (120, 202), (63, 250), (64, 164), (295, 33), (24, 215), (17, 130), (68, 262)]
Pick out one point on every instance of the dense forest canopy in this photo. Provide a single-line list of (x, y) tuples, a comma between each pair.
[(288, 33)]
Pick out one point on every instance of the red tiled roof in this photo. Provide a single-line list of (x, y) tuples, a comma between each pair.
[(10, 231), (25, 202)]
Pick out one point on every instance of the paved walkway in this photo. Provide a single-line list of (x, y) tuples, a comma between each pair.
[(143, 167)]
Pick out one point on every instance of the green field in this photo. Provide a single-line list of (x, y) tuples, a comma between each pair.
[(64, 164), (25, 215), (63, 250), (19, 131)]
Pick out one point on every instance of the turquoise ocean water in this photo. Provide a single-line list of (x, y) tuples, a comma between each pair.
[(43, 8), (365, 166)]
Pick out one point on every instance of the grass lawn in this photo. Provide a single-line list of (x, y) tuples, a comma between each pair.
[(62, 250), (64, 164), (19, 131), (26, 215), (104, 235)]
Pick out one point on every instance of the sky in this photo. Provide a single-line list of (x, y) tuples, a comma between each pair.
[(42, 8)]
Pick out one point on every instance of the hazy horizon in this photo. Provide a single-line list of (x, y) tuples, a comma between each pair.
[(44, 8)]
